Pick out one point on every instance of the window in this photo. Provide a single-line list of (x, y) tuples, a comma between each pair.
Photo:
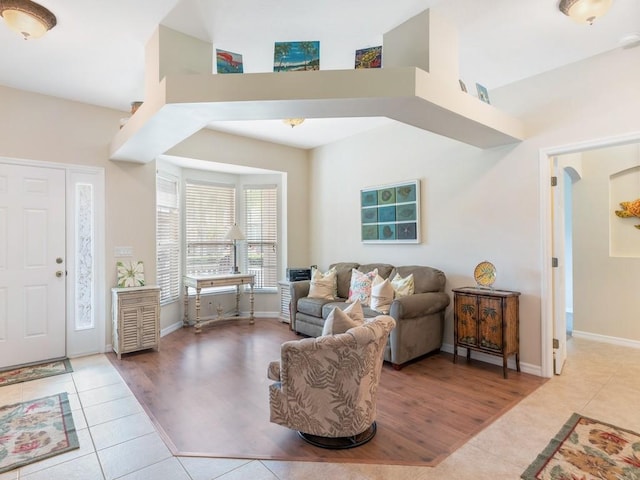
[(210, 211), (168, 238), (261, 230)]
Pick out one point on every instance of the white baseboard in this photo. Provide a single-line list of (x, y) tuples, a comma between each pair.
[(494, 360), (171, 328), (623, 342)]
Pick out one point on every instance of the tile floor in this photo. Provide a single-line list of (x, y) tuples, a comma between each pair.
[(118, 441)]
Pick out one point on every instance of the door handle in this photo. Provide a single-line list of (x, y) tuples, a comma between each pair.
[(59, 260), (59, 273)]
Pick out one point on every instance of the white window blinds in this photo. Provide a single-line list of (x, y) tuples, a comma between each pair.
[(261, 230), (168, 238), (210, 211)]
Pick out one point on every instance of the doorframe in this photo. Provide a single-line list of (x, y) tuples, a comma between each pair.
[(100, 223), (546, 228)]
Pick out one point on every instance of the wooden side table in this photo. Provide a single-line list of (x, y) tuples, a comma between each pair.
[(487, 320)]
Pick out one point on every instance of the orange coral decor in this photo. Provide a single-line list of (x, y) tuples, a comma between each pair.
[(630, 209), (588, 449)]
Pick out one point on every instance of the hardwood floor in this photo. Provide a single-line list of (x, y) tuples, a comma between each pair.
[(208, 394)]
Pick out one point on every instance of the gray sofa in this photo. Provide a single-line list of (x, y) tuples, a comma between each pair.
[(419, 317)]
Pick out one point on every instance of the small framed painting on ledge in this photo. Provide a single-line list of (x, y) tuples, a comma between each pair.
[(391, 213)]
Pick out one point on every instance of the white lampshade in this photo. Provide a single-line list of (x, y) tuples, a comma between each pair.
[(584, 11), (234, 233), (28, 18)]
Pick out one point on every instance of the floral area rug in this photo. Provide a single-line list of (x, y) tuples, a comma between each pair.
[(33, 372), (35, 430), (587, 449)]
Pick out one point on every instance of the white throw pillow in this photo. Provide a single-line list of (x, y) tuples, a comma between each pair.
[(323, 285), (360, 287), (381, 294), (340, 321), (403, 286)]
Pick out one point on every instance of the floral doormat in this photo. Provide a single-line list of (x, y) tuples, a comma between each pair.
[(587, 449), (33, 372), (35, 430)]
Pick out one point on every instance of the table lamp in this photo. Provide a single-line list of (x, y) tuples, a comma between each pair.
[(235, 234)]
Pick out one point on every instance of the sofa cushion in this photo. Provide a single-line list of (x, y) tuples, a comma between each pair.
[(339, 321), (426, 279), (313, 306), (384, 269), (403, 286), (323, 285), (360, 287), (381, 294), (343, 270)]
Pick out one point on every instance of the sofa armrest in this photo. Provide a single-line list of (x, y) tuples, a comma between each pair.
[(273, 373), (419, 305), (297, 291)]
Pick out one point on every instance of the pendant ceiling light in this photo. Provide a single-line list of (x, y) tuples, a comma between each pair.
[(293, 122), (584, 11), (28, 18)]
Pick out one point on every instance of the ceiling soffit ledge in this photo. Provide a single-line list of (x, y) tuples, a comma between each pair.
[(417, 86)]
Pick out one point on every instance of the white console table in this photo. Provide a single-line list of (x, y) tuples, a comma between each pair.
[(198, 282)]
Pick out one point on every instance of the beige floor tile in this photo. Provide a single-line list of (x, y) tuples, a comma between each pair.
[(207, 468), (471, 463), (12, 475), (105, 412), (104, 394), (128, 457), (11, 394), (253, 470), (121, 430), (169, 469), (86, 448), (48, 386), (88, 380), (82, 468), (618, 405), (94, 363), (79, 421)]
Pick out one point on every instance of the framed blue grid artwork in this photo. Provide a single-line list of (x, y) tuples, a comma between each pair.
[(391, 213)]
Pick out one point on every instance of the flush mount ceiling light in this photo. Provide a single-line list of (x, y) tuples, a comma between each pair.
[(584, 11), (28, 18), (293, 122)]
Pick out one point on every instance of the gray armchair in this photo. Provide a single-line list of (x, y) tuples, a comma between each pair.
[(326, 387)]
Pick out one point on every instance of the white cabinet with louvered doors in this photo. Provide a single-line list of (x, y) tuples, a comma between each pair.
[(136, 318)]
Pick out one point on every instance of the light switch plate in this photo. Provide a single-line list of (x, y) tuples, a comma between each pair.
[(123, 252)]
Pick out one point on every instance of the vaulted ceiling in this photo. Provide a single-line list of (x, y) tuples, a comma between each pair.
[(95, 54)]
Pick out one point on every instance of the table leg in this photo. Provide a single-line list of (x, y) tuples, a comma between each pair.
[(185, 319), (237, 300), (198, 326), (251, 321)]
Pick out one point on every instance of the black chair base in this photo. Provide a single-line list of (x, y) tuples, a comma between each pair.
[(338, 443)]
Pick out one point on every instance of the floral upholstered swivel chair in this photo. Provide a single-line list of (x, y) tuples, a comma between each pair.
[(326, 386)]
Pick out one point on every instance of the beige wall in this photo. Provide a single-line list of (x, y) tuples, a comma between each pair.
[(605, 284), (42, 128), (38, 127), (476, 204)]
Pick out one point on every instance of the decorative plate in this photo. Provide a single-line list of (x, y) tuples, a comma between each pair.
[(485, 274)]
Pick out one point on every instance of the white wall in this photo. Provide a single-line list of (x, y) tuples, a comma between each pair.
[(476, 205), (605, 298)]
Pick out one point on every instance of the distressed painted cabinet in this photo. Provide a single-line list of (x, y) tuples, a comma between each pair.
[(285, 300), (136, 318), (487, 321)]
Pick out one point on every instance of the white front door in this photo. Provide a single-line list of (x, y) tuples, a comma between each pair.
[(32, 264)]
